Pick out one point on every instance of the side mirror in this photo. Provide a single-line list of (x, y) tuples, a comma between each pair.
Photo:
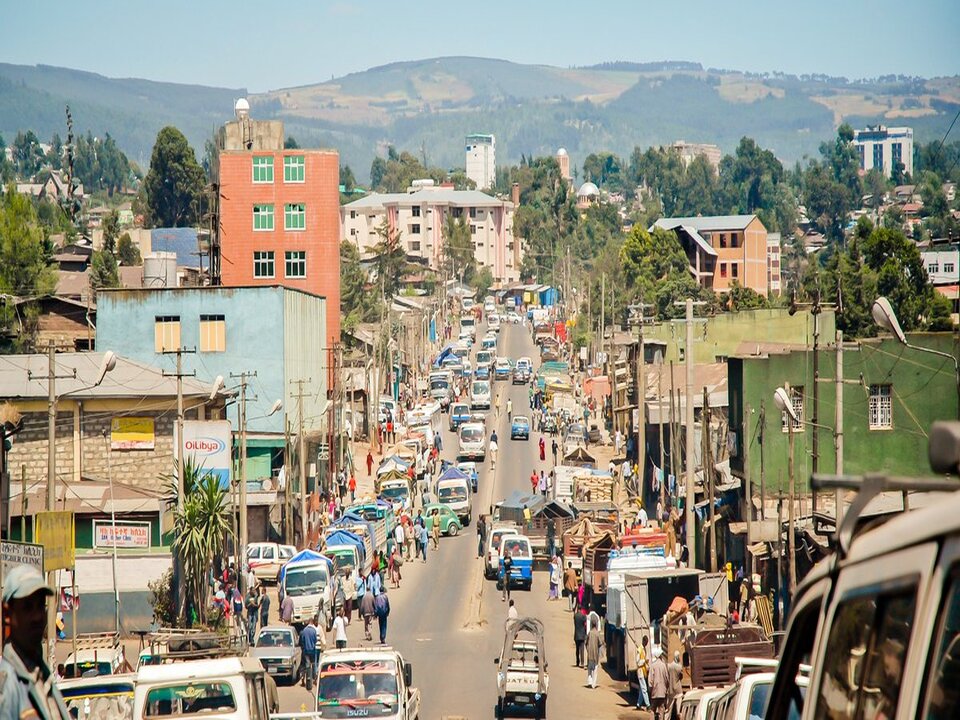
[(408, 674), (496, 661)]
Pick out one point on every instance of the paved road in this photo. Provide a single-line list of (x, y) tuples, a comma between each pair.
[(448, 621)]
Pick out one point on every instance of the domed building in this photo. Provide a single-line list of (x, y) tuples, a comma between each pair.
[(588, 194)]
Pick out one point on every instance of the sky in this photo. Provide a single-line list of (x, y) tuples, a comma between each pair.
[(269, 45)]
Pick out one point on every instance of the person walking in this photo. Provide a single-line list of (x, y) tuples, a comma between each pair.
[(399, 537), (381, 606), (252, 606), (352, 485), (286, 609), (509, 409), (643, 699), (542, 444), (555, 575), (310, 641), (435, 530), (512, 613), (542, 483), (659, 679), (594, 646), (570, 586), (675, 686), (481, 534), (340, 629), (369, 463), (27, 689), (507, 564), (554, 448), (424, 539), (579, 634), (359, 591), (367, 612), (264, 607), (534, 482)]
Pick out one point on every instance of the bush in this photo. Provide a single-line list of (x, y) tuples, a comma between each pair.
[(161, 598)]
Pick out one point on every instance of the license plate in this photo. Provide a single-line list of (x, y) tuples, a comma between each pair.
[(522, 698), (273, 670)]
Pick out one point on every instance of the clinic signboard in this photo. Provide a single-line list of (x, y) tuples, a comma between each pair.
[(208, 444), (127, 534), (18, 553)]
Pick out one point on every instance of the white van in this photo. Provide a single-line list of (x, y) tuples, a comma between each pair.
[(879, 622), (480, 395), (492, 556), (493, 322), (223, 688), (455, 494), (468, 326), (473, 441)]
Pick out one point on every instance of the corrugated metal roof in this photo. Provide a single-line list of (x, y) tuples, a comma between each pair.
[(25, 377), (707, 223), (428, 196), (182, 241)]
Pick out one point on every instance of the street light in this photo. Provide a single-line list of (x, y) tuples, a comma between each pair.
[(886, 318)]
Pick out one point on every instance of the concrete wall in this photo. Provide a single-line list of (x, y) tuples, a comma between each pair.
[(923, 387), (722, 334)]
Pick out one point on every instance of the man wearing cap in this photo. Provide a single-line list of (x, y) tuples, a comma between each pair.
[(27, 689)]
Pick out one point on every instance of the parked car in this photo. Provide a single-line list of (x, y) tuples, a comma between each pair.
[(266, 559), (278, 651), (520, 428), (449, 522)]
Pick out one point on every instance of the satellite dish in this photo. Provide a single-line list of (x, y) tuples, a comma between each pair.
[(108, 363), (241, 108), (217, 387)]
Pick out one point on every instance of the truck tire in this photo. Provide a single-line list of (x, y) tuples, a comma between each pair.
[(498, 710)]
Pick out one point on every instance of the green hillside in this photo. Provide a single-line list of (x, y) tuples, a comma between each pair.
[(429, 105)]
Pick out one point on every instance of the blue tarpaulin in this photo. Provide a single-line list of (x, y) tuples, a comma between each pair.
[(304, 556), (453, 473)]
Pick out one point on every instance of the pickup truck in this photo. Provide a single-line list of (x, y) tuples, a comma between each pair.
[(522, 680), (308, 579), (366, 682)]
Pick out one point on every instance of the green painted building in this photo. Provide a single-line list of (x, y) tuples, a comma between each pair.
[(891, 396), (740, 333)]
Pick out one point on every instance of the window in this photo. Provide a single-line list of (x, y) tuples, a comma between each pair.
[(294, 216), (473, 229), (296, 263), (878, 156), (415, 229), (414, 247), (933, 268), (943, 692), (896, 153), (796, 396), (263, 264), (458, 212), (723, 240), (213, 333), (863, 160), (293, 169), (734, 240), (263, 168), (353, 232), (473, 212), (734, 269), (881, 407), (263, 217), (416, 211), (166, 333), (353, 214), (868, 645), (723, 270), (948, 267)]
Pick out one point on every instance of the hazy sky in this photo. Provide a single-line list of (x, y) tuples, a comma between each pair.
[(266, 45)]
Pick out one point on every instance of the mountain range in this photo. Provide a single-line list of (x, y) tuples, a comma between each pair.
[(428, 106)]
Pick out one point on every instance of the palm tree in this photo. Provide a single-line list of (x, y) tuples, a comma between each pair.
[(201, 525)]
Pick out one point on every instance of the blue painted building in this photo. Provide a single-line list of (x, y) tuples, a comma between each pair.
[(273, 331)]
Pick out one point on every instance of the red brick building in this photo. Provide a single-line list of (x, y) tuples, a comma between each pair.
[(279, 214)]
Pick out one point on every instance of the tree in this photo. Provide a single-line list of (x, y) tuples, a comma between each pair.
[(27, 154), (358, 301), (111, 231), (391, 261), (7, 170), (127, 251), (459, 259), (104, 272), (290, 143), (739, 298), (832, 187), (347, 180), (175, 181), (202, 523)]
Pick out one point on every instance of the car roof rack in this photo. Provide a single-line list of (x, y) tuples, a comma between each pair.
[(173, 644), (98, 641)]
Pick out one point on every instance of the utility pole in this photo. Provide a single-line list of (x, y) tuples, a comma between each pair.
[(838, 432), (791, 541), (761, 424), (691, 523), (179, 589), (815, 420), (708, 478), (637, 317), (302, 458), (663, 472), (748, 489), (287, 480), (52, 378), (242, 503)]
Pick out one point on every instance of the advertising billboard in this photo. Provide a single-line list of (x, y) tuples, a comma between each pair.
[(124, 535), (132, 433), (208, 443)]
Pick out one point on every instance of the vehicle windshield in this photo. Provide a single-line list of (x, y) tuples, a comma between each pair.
[(455, 493), (516, 548), (481, 388), (395, 492), (521, 421), (107, 701), (460, 409), (275, 638), (343, 560), (439, 384), (758, 699), (498, 536), (471, 434), (467, 322), (372, 681), (192, 698), (305, 581), (89, 668), (483, 358)]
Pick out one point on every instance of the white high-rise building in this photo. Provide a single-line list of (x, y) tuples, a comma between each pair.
[(482, 160), (884, 147)]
